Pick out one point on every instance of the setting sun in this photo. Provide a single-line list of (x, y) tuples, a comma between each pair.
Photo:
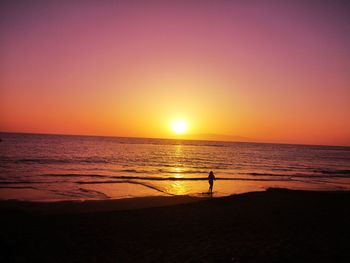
[(179, 126)]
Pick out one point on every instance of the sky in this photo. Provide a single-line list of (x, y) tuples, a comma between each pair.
[(267, 71)]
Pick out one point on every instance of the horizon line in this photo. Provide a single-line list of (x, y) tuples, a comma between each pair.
[(174, 139)]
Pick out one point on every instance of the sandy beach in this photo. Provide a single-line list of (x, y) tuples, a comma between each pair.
[(277, 225)]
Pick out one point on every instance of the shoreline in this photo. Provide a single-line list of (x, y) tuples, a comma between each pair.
[(92, 206), (130, 203), (113, 192)]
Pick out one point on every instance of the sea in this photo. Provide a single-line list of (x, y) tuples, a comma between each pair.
[(37, 167)]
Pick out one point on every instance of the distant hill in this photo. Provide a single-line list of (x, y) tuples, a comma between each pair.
[(219, 137)]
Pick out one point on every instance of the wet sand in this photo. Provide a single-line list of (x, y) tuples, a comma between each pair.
[(277, 225)]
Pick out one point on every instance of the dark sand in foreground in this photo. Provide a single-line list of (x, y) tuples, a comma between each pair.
[(273, 226)]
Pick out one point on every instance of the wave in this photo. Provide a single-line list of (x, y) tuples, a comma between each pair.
[(105, 178), (153, 178), (134, 171), (23, 182), (334, 175), (184, 172), (60, 161), (332, 171), (164, 171), (17, 187), (114, 179), (79, 175), (176, 179), (168, 178), (148, 178)]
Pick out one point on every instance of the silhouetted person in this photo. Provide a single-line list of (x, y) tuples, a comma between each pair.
[(211, 179)]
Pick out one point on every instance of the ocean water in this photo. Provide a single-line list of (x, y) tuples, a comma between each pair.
[(58, 167)]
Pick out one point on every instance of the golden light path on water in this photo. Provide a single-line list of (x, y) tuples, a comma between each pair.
[(177, 187)]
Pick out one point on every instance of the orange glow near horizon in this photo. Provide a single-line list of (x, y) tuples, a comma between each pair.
[(130, 69)]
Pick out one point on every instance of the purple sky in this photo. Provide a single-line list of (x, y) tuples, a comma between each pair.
[(268, 70)]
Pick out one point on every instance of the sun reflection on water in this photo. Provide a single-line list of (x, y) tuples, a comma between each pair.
[(178, 168), (177, 188), (178, 172)]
